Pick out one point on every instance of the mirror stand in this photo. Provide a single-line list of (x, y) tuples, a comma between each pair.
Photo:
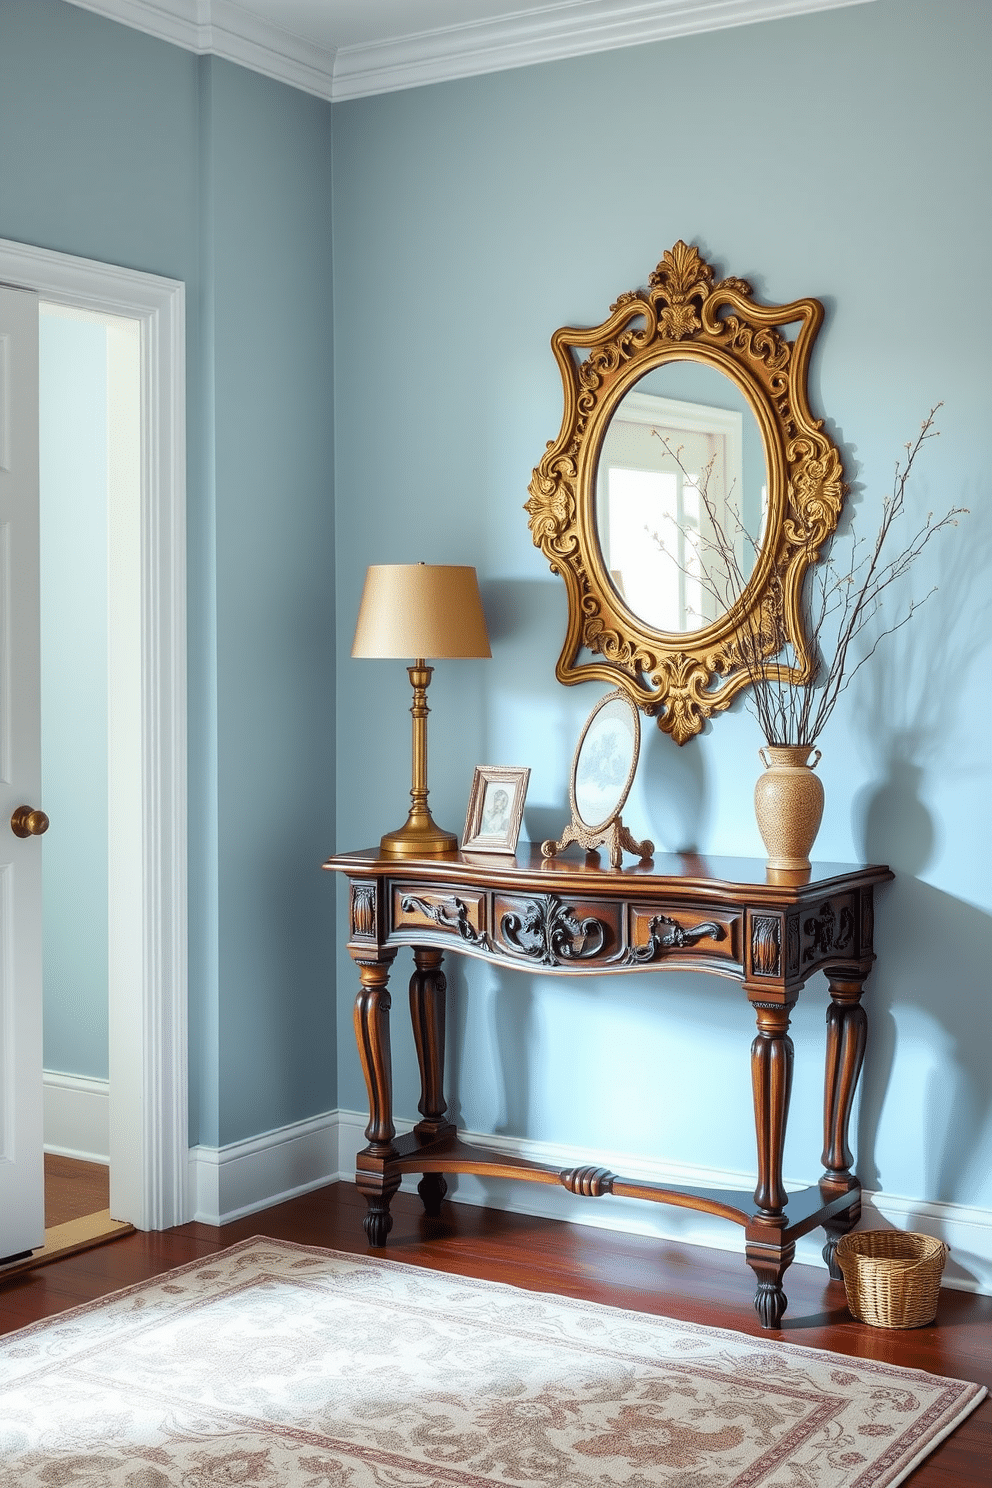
[(615, 838)]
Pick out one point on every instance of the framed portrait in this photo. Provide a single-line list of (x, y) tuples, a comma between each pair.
[(495, 809)]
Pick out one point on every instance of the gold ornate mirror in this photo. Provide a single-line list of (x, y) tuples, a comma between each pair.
[(686, 438)]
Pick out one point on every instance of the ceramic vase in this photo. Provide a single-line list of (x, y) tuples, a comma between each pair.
[(788, 804)]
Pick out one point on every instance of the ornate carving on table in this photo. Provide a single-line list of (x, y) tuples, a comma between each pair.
[(448, 914), (675, 937), (792, 941), (828, 931), (547, 931), (769, 937), (766, 945), (363, 910)]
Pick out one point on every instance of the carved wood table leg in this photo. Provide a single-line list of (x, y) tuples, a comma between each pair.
[(428, 990), (771, 1085), (769, 1259), (847, 1035), (372, 1036)]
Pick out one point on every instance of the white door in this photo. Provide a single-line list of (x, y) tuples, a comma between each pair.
[(22, 1195)]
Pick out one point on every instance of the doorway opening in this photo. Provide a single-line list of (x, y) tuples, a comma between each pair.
[(89, 404), (146, 1095)]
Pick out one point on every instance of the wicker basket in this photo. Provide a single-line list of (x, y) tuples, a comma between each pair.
[(892, 1279)]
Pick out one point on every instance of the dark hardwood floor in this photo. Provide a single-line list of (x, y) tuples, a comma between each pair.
[(702, 1286)]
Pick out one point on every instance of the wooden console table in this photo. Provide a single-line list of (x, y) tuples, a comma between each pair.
[(720, 915)]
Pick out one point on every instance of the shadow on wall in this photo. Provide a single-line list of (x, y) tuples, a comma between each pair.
[(927, 988), (937, 948), (934, 971), (510, 1009), (527, 622), (675, 790), (526, 619)]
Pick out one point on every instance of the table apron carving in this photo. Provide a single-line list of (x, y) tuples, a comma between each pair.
[(559, 918)]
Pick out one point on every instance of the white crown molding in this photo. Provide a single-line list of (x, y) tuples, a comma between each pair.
[(562, 28), (572, 28), (220, 28)]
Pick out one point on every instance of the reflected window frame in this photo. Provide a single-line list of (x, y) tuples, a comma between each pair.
[(670, 419)]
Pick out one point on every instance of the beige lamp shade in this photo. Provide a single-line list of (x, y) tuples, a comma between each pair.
[(421, 610)]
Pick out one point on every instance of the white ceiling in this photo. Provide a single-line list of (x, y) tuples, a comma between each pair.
[(342, 49)]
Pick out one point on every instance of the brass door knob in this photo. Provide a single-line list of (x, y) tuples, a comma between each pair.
[(27, 822)]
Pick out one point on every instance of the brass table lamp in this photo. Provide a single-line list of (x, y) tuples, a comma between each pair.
[(424, 610)]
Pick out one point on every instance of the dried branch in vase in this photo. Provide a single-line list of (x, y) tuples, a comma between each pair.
[(842, 597)]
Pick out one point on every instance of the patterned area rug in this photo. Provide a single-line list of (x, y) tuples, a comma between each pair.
[(286, 1367)]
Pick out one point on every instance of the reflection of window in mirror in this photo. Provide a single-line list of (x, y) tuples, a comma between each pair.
[(657, 539)]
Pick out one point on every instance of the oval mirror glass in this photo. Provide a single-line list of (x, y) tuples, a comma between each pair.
[(605, 761), (681, 484)]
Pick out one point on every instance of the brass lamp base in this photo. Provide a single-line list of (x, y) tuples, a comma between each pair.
[(419, 839), (420, 836), (418, 842)]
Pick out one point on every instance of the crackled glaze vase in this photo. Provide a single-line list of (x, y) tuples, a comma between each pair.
[(788, 804)]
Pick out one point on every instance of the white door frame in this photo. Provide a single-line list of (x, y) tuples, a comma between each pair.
[(149, 1091)]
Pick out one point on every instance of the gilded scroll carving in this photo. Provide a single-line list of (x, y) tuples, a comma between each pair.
[(686, 314)]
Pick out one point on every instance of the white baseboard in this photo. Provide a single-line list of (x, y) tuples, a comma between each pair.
[(241, 1178), (77, 1117), (244, 1177)]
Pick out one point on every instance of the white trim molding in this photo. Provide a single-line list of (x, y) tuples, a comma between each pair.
[(77, 1117), (244, 1177), (515, 38), (573, 28), (148, 1128)]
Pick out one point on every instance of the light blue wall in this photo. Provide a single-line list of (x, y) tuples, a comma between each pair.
[(73, 481), (122, 148), (267, 234), (843, 154)]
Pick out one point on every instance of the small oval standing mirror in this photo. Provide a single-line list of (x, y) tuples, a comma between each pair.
[(602, 773), (681, 479)]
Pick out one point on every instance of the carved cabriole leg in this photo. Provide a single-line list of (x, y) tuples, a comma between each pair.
[(427, 1014), (372, 1036), (847, 1035), (771, 1085)]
